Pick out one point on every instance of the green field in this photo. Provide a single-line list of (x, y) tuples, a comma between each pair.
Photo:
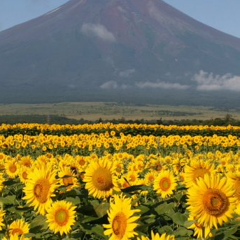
[(108, 111)]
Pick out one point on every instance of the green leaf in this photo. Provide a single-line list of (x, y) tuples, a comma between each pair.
[(88, 219), (9, 200), (231, 231), (149, 219), (165, 208), (134, 189), (165, 229), (101, 209), (38, 221), (98, 230), (74, 200), (181, 231), (144, 209), (179, 218)]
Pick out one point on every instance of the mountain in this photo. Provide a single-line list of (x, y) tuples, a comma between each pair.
[(119, 50)]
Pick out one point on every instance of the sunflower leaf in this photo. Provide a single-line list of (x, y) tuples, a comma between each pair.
[(74, 200), (9, 200), (38, 221), (98, 230), (179, 218), (101, 209)]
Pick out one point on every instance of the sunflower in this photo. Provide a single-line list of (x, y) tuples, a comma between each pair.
[(211, 201), (81, 163), (132, 177), (23, 174), (61, 217), (16, 237), (40, 187), (19, 228), (2, 180), (158, 237), (197, 169), (68, 178), (11, 168), (122, 221), (150, 177), (26, 161), (235, 181), (200, 231), (161, 237), (100, 179), (2, 215), (165, 183)]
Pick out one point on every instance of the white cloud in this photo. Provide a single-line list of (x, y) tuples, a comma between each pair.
[(113, 85), (210, 82), (163, 85), (98, 30), (126, 73)]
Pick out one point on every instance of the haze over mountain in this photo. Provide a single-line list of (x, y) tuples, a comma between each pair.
[(120, 50)]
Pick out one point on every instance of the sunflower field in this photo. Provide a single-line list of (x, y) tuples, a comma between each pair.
[(119, 182)]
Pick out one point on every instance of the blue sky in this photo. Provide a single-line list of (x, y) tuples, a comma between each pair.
[(220, 14)]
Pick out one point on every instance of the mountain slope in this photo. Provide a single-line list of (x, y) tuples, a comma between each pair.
[(118, 50)]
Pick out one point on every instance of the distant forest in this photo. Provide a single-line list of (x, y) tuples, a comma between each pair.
[(55, 119)]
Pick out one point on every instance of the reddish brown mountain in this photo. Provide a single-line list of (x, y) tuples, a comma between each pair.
[(118, 50)]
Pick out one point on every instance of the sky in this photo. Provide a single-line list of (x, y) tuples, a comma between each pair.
[(220, 14)]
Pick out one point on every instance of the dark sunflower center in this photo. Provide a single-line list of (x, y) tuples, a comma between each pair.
[(102, 179), (68, 180), (82, 162), (61, 217), (17, 231), (215, 202), (24, 175), (165, 184), (151, 179), (41, 190), (13, 168), (119, 225), (132, 178)]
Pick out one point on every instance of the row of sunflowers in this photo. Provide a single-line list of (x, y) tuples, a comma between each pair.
[(133, 129), (119, 187)]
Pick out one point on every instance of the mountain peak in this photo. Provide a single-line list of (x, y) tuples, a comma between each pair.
[(103, 49)]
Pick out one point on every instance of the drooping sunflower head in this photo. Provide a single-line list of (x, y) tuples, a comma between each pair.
[(165, 183), (61, 217), (211, 201), (39, 188), (122, 220), (19, 228), (100, 179), (68, 178)]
